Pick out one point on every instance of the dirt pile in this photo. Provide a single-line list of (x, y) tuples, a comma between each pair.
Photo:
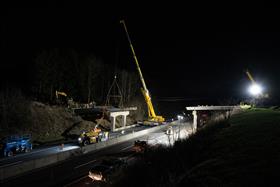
[(47, 123), (55, 122)]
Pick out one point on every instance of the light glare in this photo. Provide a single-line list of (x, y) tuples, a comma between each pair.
[(255, 89)]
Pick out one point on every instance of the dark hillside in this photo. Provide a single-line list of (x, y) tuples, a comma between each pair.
[(244, 151)]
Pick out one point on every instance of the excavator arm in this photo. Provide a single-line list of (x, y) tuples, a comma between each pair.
[(57, 93), (151, 112)]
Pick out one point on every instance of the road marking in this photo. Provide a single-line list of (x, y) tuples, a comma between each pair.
[(14, 163), (84, 164), (127, 148), (36, 151), (75, 181)]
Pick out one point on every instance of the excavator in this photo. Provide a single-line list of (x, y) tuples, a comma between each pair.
[(57, 93), (61, 100), (152, 117)]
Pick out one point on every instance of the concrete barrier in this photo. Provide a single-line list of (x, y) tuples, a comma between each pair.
[(25, 166), (120, 139)]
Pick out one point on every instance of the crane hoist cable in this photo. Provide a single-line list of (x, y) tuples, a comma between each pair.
[(115, 96)]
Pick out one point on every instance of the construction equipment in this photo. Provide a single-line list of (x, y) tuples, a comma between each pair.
[(114, 97), (14, 144), (93, 136), (61, 100), (255, 89), (250, 77), (245, 105), (153, 118), (57, 93)]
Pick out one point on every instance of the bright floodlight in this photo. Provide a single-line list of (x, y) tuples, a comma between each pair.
[(180, 117), (255, 89)]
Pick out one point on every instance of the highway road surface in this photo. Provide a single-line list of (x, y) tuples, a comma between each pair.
[(156, 138), (42, 152), (71, 170)]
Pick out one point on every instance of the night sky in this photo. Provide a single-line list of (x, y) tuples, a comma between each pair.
[(186, 53)]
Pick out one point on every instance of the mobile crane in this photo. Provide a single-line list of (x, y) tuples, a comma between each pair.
[(250, 77), (152, 117), (255, 89)]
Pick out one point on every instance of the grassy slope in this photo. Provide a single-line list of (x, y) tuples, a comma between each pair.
[(243, 152)]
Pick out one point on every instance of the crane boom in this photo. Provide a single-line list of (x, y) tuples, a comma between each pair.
[(134, 56), (250, 77), (255, 88), (145, 91)]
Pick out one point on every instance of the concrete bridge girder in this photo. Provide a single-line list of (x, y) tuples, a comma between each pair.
[(114, 115), (213, 108)]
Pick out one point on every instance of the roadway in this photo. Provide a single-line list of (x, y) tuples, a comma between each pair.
[(70, 170), (42, 152), (155, 138)]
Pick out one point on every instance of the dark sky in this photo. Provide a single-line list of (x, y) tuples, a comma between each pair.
[(184, 52)]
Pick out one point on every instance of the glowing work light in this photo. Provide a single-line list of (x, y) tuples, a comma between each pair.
[(255, 89)]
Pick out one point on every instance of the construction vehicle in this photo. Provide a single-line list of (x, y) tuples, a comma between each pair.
[(255, 89), (152, 117), (57, 93), (14, 144), (245, 105), (93, 136), (250, 77), (61, 98)]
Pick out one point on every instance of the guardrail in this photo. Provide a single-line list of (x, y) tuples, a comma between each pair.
[(25, 166)]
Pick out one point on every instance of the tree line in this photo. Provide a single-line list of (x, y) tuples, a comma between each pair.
[(85, 78)]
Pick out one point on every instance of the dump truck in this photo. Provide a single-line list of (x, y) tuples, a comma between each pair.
[(93, 136)]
